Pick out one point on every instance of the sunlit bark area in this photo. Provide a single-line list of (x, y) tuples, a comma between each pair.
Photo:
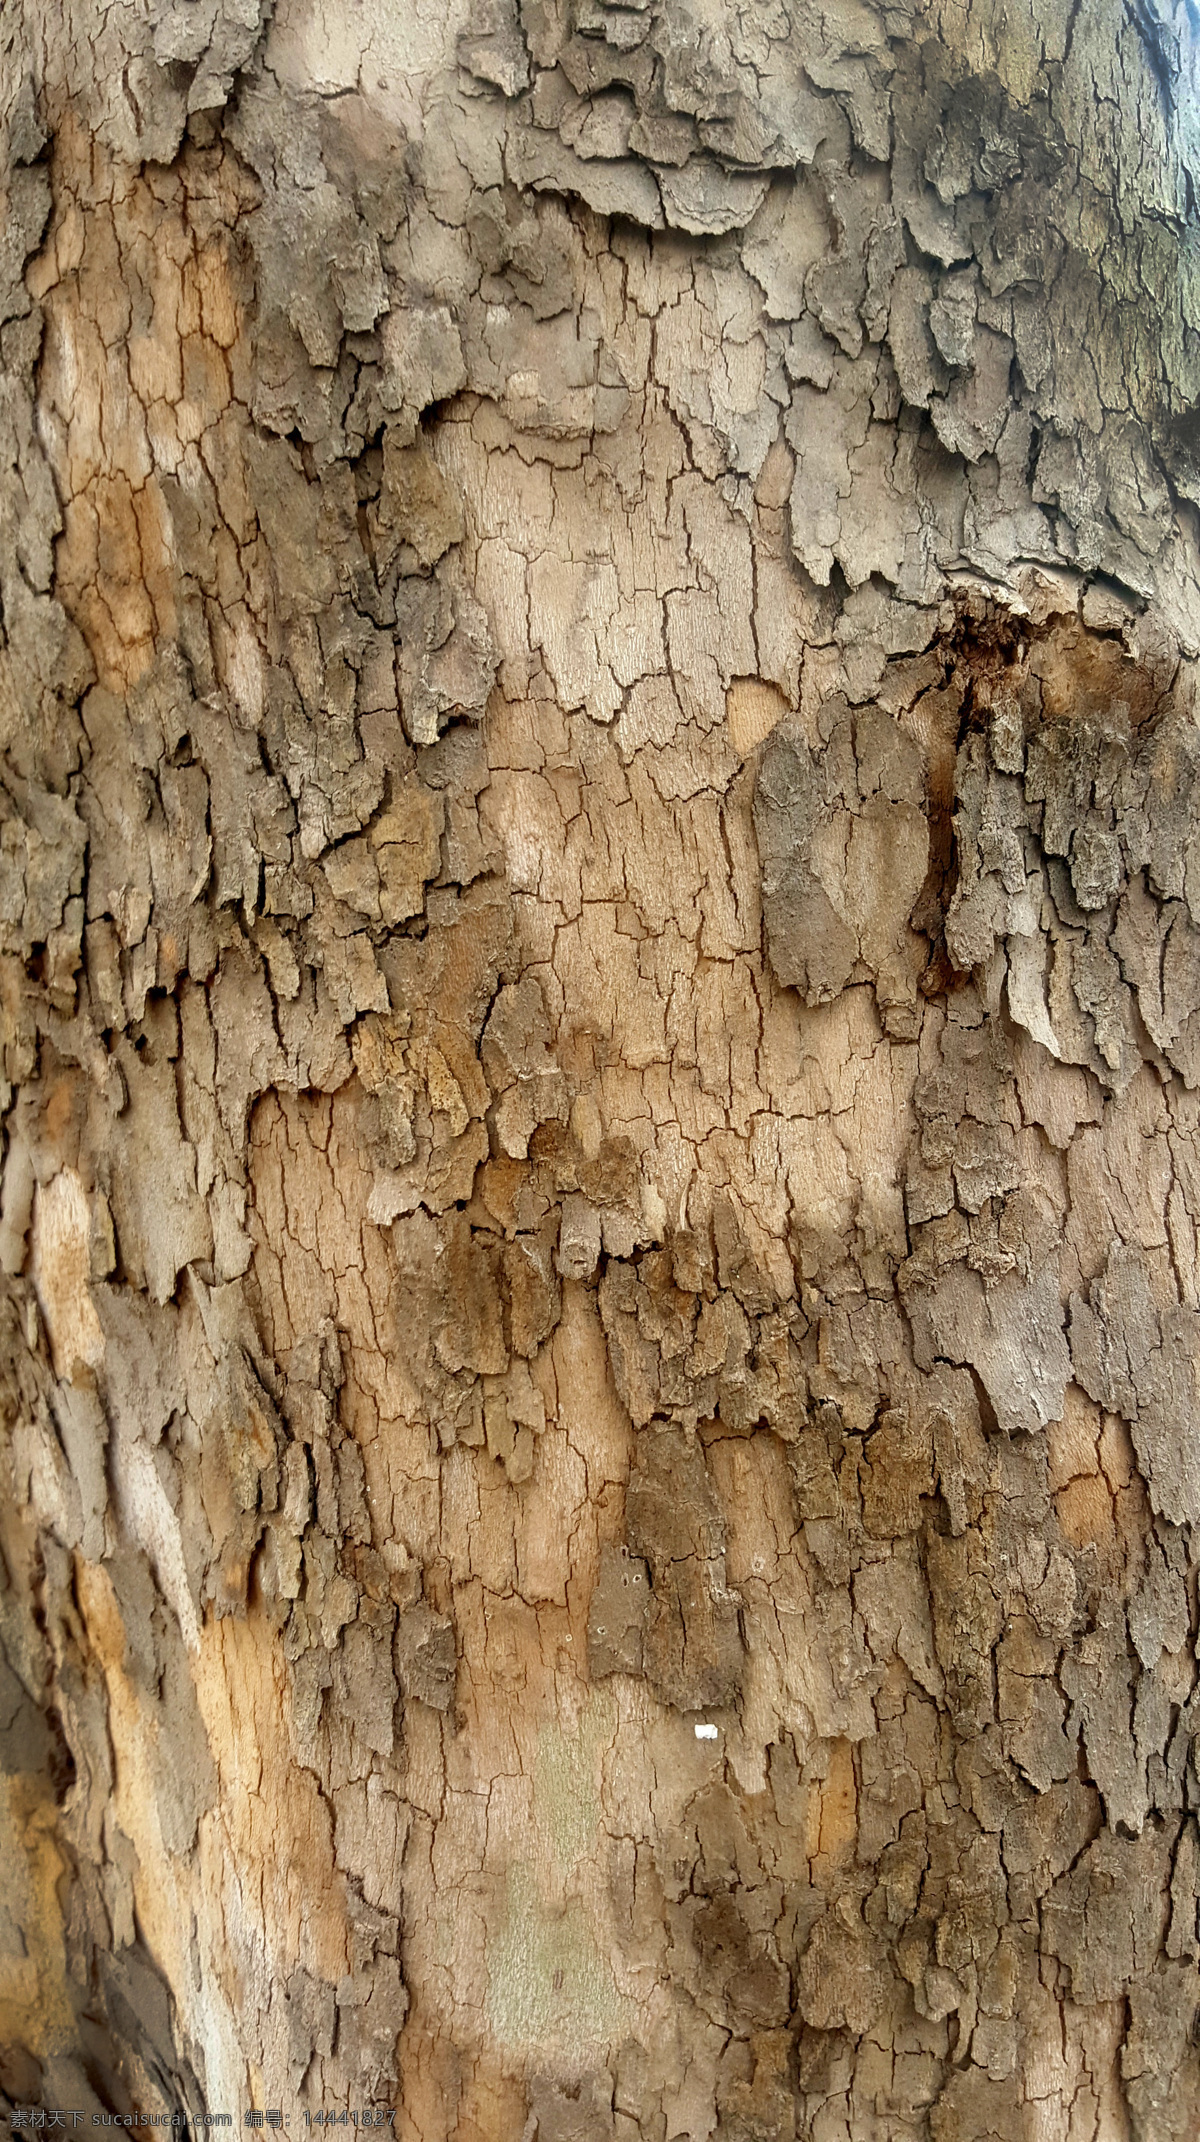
[(600, 1047)]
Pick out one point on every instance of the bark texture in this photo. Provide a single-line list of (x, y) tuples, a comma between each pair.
[(600, 1005)]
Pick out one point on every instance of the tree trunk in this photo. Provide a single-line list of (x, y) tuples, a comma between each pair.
[(600, 887)]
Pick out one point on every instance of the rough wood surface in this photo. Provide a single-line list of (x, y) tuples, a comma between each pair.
[(600, 1009)]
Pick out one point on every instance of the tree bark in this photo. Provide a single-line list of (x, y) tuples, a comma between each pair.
[(600, 1000)]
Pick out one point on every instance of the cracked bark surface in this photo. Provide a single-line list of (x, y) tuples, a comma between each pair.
[(600, 1008)]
